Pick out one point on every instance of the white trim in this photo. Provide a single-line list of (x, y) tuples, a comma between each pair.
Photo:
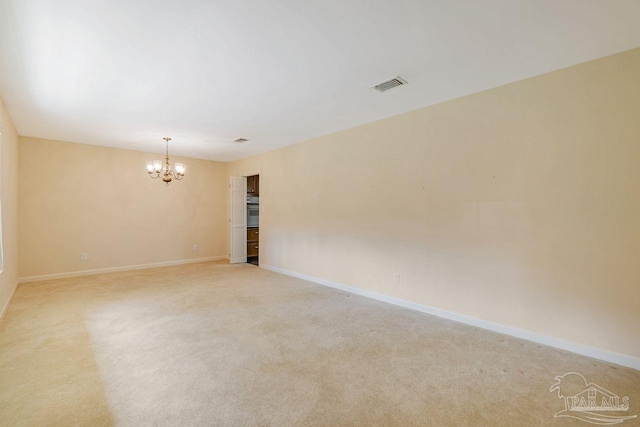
[(6, 305), (596, 353), (116, 269)]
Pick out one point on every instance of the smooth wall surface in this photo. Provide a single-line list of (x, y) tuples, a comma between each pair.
[(518, 205), (77, 198), (9, 196)]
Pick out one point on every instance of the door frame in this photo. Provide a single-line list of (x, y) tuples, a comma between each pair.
[(244, 174)]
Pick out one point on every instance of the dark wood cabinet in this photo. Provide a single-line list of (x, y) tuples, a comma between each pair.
[(253, 234), (252, 250), (253, 185), (253, 241)]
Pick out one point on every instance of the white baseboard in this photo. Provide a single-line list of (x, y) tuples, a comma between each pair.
[(116, 269), (6, 304), (596, 353)]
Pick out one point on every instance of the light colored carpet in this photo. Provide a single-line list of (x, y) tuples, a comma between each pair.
[(215, 344)]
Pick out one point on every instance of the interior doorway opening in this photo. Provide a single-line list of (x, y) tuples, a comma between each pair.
[(253, 219), (244, 219)]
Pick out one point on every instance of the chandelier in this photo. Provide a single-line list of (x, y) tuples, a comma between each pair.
[(156, 170)]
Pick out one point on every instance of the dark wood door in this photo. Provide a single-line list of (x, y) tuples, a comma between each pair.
[(252, 249), (253, 234), (251, 185)]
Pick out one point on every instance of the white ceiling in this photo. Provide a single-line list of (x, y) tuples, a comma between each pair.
[(125, 73)]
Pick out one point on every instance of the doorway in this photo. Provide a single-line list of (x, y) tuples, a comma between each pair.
[(253, 219), (244, 237)]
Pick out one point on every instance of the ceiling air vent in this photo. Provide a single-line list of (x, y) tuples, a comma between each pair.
[(241, 140), (390, 84)]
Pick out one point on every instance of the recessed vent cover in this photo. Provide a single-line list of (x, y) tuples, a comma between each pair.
[(390, 84), (241, 140)]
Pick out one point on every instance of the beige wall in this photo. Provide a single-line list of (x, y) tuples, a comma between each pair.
[(9, 195), (78, 198), (518, 205)]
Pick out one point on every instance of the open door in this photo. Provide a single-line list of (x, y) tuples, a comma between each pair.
[(238, 220)]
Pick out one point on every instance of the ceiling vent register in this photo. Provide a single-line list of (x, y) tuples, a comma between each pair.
[(390, 84)]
